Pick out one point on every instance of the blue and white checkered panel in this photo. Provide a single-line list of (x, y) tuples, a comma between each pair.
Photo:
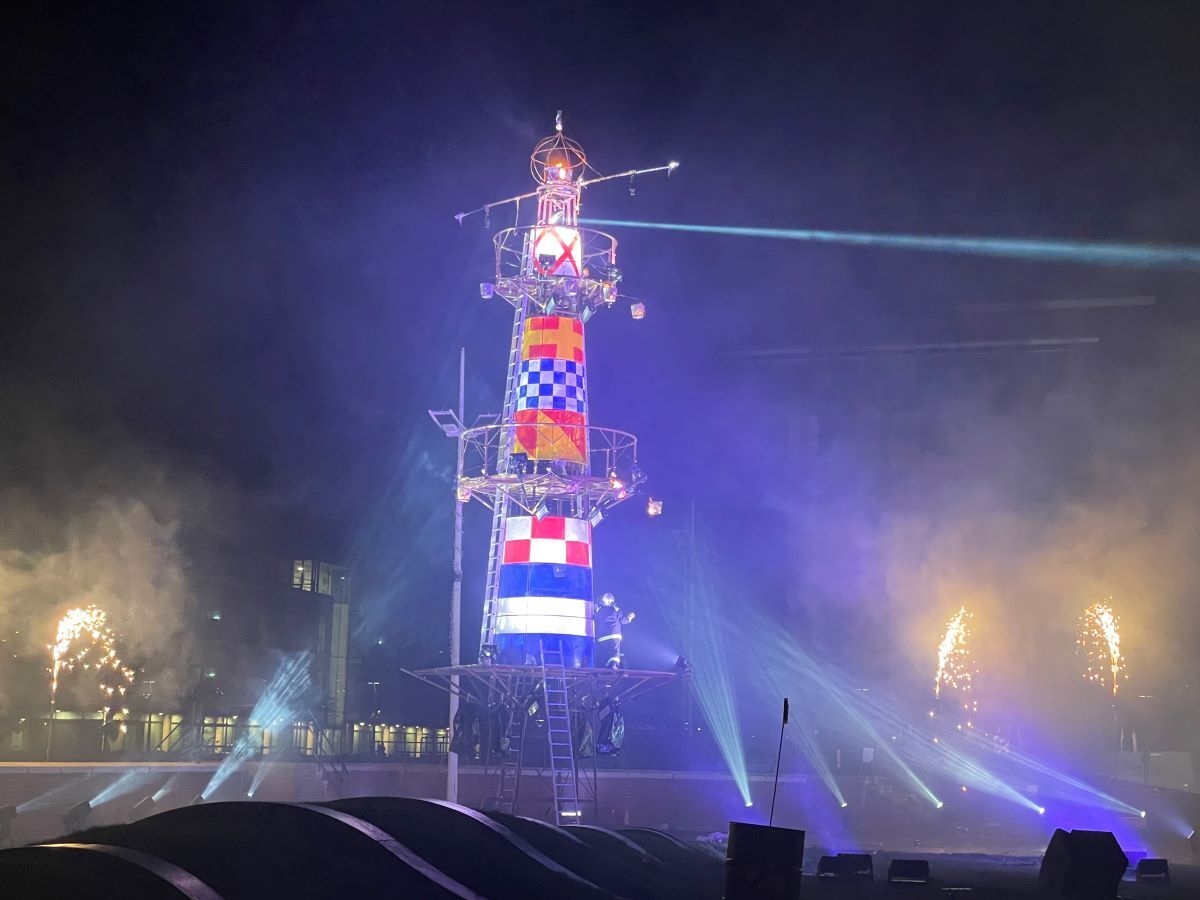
[(551, 384)]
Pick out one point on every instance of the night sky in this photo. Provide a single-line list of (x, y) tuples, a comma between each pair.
[(233, 283)]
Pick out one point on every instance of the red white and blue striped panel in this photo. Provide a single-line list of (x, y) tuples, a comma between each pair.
[(545, 577), (552, 539)]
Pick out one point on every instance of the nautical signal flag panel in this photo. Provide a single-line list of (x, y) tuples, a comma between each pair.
[(551, 413), (545, 595)]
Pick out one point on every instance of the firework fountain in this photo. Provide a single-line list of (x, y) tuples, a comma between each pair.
[(84, 640), (1099, 641), (956, 668)]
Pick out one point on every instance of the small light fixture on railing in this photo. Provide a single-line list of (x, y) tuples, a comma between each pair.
[(462, 493)]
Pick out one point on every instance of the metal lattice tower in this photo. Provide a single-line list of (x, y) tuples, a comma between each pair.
[(549, 477)]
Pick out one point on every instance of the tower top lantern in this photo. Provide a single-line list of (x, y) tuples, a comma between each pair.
[(557, 159)]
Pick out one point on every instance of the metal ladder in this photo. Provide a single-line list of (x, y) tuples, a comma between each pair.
[(508, 792), (500, 500), (558, 734)]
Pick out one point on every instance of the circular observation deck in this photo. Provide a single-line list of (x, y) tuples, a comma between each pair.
[(585, 466), (557, 268)]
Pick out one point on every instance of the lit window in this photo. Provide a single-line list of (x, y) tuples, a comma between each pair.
[(302, 574)]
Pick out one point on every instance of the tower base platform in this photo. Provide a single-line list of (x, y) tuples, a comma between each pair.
[(587, 689)]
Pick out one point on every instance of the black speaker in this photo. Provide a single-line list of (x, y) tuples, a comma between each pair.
[(1155, 870), (830, 867), (763, 863), (847, 867), (911, 871), (859, 866), (1086, 865)]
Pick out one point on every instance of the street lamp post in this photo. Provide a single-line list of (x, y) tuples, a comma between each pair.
[(452, 425)]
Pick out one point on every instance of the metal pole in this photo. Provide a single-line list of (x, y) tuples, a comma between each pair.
[(456, 594), (689, 710), (50, 734)]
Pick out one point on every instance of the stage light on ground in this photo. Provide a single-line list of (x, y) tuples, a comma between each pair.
[(1041, 810), (7, 815), (938, 805), (1142, 813), (844, 804), (749, 803), (164, 790), (75, 818), (198, 799)]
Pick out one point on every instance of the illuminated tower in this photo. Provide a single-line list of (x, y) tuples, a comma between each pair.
[(547, 473), (550, 477)]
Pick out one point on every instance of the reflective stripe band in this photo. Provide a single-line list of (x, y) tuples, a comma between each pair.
[(609, 637), (569, 625), (545, 606)]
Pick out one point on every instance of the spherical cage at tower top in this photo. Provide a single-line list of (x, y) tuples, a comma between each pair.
[(557, 159)]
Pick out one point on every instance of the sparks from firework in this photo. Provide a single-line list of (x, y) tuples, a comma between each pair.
[(1100, 641), (956, 666), (80, 632)]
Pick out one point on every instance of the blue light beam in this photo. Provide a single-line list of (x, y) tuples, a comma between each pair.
[(704, 635), (1088, 253), (278, 703), (804, 670), (127, 783)]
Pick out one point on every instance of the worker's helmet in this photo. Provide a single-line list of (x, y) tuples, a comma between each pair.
[(608, 599)]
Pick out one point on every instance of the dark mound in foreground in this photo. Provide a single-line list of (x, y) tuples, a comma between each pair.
[(91, 872), (250, 849), (636, 878), (473, 849), (688, 874)]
